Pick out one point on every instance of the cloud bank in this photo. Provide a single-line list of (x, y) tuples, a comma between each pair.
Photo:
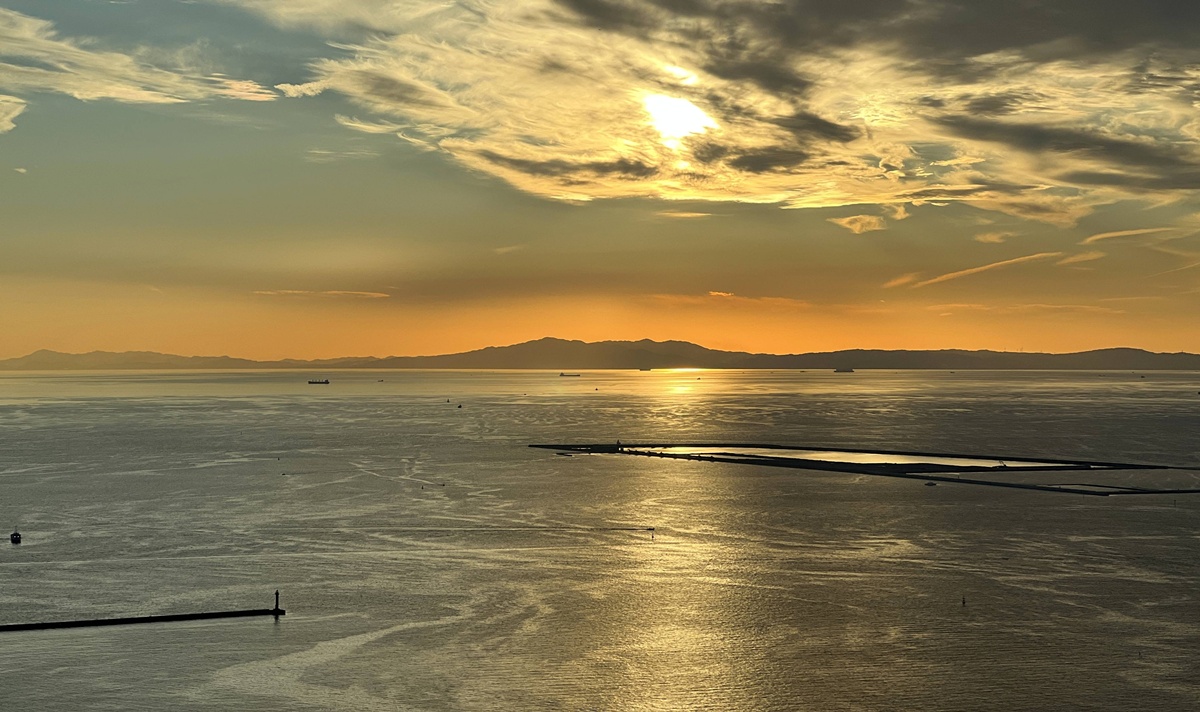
[(1042, 113)]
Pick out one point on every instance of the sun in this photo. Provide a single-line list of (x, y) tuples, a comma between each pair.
[(676, 118)]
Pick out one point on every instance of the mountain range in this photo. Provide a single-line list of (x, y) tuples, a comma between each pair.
[(560, 354)]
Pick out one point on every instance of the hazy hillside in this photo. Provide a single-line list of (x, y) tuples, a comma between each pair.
[(559, 354)]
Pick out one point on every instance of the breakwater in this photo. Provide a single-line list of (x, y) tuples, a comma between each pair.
[(135, 620)]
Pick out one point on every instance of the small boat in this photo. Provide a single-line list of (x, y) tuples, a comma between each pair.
[(318, 381), (931, 484), (644, 369), (15, 537), (843, 370), (569, 375)]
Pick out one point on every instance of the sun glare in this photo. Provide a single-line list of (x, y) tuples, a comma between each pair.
[(676, 118)]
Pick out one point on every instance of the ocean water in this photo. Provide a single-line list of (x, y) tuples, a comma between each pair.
[(429, 560)]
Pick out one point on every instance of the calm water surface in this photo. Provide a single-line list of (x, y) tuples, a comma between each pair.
[(429, 560)]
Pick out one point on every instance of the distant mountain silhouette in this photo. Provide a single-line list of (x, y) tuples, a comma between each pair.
[(559, 354)]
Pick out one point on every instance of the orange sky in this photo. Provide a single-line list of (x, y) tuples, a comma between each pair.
[(270, 179)]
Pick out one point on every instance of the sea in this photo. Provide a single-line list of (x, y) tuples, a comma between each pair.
[(429, 559)]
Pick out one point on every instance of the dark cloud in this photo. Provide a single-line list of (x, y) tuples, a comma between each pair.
[(941, 34), (389, 90), (807, 126), (687, 8), (979, 186), (709, 152), (551, 65), (994, 104), (1044, 31), (787, 24), (1034, 138), (1177, 180), (770, 73), (559, 168), (807, 24), (994, 186), (769, 159), (945, 192), (1176, 80), (612, 15)]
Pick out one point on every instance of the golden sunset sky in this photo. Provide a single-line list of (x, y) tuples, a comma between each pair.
[(320, 178)]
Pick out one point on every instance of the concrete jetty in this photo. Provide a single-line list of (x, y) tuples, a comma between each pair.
[(133, 620)]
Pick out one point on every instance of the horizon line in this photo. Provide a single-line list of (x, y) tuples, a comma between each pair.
[(588, 343)]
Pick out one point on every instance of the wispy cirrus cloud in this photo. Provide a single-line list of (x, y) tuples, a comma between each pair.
[(327, 155), (986, 268), (682, 214), (993, 238), (370, 127), (858, 224), (329, 293), (901, 280), (1093, 239), (10, 108), (1081, 257), (949, 309), (1184, 268), (731, 300), (34, 59), (241, 89)]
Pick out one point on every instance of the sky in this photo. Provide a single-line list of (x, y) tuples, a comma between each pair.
[(322, 178)]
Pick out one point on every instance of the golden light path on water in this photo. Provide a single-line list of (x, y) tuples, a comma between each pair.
[(872, 458)]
